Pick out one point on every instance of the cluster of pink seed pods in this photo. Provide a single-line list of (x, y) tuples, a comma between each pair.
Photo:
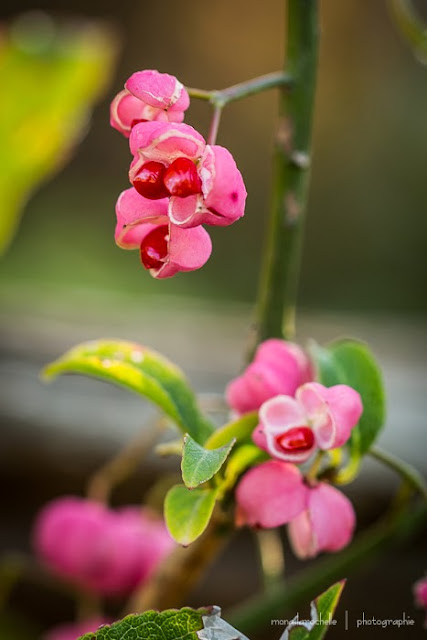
[(179, 182), (297, 417)]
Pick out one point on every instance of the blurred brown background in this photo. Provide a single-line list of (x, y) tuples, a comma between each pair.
[(63, 279)]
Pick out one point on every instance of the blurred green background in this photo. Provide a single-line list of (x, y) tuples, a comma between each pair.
[(366, 228)]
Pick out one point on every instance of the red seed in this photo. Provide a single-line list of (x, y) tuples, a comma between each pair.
[(181, 178), (154, 248), (149, 181), (296, 439)]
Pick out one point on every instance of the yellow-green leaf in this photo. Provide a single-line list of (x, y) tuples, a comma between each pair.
[(51, 74), (138, 369)]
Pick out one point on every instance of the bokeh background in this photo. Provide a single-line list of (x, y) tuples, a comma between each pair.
[(364, 265)]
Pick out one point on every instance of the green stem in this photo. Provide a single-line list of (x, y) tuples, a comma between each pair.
[(243, 89), (256, 613), (279, 280), (200, 94), (251, 87), (405, 470)]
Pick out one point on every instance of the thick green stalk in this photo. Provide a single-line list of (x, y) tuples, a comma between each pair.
[(282, 600), (279, 280)]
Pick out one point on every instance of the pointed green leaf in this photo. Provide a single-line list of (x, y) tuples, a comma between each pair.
[(141, 370), (322, 611), (173, 624), (240, 429), (351, 362), (199, 464), (187, 512)]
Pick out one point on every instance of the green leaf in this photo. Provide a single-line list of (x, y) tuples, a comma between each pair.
[(187, 512), (240, 430), (141, 370), (351, 362), (199, 464), (322, 611), (172, 624), (53, 73)]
